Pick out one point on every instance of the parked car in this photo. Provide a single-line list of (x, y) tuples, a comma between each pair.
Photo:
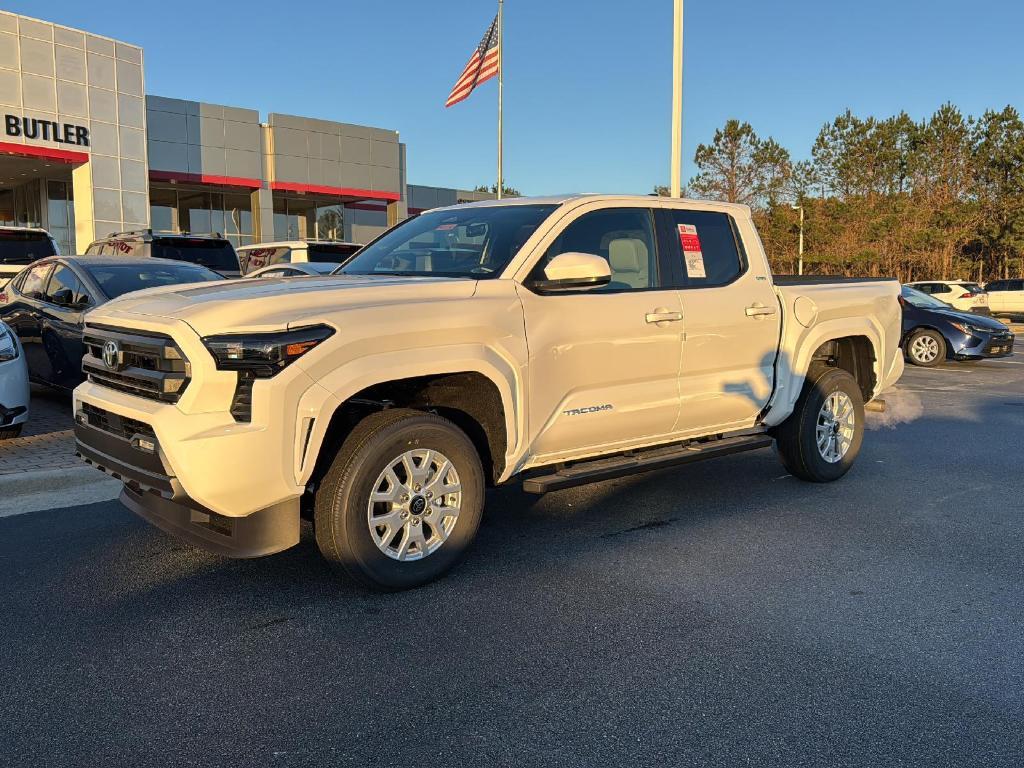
[(309, 269), (14, 391), (211, 251), (253, 257), (19, 247), (1006, 297), (959, 294), (933, 332), (45, 305), (555, 341)]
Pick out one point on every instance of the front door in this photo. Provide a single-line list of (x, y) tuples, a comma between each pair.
[(733, 321), (64, 302), (604, 363)]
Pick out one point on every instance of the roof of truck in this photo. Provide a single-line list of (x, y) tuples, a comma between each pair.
[(596, 197)]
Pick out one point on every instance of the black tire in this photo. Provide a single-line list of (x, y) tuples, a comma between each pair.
[(796, 438), (342, 500), (9, 433), (926, 333)]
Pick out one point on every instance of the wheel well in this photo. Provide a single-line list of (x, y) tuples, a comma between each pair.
[(470, 400), (854, 354)]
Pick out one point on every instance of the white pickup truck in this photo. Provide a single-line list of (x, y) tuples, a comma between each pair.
[(555, 340)]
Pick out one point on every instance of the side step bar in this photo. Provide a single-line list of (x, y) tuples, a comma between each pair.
[(583, 472)]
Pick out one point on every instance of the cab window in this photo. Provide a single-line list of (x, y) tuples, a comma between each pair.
[(624, 237)]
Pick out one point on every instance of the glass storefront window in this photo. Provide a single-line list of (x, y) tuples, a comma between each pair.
[(163, 209), (330, 222), (60, 214), (194, 212), (308, 218), (7, 217)]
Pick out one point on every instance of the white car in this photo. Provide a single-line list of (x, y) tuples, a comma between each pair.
[(253, 257), (1006, 296), (14, 390), (959, 294), (19, 247)]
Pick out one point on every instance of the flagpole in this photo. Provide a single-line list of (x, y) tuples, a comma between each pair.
[(677, 100), (501, 88)]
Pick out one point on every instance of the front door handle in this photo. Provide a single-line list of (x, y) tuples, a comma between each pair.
[(759, 310), (663, 315)]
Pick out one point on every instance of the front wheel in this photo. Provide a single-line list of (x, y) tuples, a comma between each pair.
[(402, 500), (821, 438), (926, 348)]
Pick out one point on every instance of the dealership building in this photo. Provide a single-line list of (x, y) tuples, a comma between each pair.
[(86, 152)]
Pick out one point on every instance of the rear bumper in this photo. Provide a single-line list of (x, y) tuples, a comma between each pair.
[(155, 494)]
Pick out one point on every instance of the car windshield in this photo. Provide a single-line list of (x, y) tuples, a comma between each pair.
[(922, 300), (24, 247), (215, 254), (118, 279), (476, 242)]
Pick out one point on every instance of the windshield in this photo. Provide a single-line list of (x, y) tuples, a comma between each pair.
[(117, 279), (922, 300), (24, 247), (215, 254), (461, 242)]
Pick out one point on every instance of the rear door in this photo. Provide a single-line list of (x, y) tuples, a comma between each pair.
[(732, 320), (24, 314)]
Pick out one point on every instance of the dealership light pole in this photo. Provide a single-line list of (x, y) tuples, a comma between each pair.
[(501, 88), (677, 100), (800, 246)]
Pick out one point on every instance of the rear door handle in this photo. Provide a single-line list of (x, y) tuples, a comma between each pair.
[(759, 310), (663, 315)]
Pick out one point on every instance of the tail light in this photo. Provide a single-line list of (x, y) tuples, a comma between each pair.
[(967, 296)]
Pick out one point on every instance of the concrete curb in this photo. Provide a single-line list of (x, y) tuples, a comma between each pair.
[(38, 490)]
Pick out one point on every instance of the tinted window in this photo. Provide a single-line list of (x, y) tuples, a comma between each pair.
[(117, 279), (972, 287), (462, 242), (330, 252), (65, 280), (706, 243), (34, 281), (624, 237), (24, 247), (215, 254)]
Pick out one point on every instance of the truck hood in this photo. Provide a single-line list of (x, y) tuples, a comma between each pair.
[(256, 305)]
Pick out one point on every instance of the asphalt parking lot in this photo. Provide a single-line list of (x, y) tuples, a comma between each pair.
[(720, 615)]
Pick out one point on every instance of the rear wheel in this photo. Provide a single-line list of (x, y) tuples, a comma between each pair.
[(821, 439), (402, 501), (926, 348)]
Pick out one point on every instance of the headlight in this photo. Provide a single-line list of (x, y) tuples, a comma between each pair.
[(264, 354), (8, 347), (970, 330)]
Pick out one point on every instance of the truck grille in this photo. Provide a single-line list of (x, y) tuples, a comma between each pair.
[(113, 424), (145, 364)]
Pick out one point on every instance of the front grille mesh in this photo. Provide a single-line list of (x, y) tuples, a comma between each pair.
[(149, 365), (119, 426)]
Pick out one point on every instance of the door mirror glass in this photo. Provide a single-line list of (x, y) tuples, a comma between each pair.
[(573, 271), (65, 297)]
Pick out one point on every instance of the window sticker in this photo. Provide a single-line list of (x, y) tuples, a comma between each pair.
[(692, 255)]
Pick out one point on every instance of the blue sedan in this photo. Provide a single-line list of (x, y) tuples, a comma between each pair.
[(933, 331)]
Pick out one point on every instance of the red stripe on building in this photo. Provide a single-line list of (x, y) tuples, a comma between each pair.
[(319, 189), (205, 178), (46, 153)]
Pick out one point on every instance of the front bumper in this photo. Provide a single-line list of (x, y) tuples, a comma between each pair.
[(128, 450), (983, 346)]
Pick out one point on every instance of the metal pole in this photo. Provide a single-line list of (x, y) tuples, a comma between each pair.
[(677, 100), (800, 247), (501, 88)]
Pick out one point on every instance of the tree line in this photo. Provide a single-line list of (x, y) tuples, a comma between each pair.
[(942, 198)]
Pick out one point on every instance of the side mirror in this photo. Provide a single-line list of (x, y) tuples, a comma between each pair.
[(574, 271), (65, 297)]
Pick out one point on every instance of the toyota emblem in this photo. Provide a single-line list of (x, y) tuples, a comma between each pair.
[(112, 354)]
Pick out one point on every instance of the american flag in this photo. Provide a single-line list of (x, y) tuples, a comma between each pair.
[(482, 66)]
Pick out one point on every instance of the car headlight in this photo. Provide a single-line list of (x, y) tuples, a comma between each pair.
[(971, 330), (263, 355), (8, 346)]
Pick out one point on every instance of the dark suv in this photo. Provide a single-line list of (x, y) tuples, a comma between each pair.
[(211, 251), (19, 247)]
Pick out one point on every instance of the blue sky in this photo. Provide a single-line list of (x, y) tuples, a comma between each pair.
[(587, 82)]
